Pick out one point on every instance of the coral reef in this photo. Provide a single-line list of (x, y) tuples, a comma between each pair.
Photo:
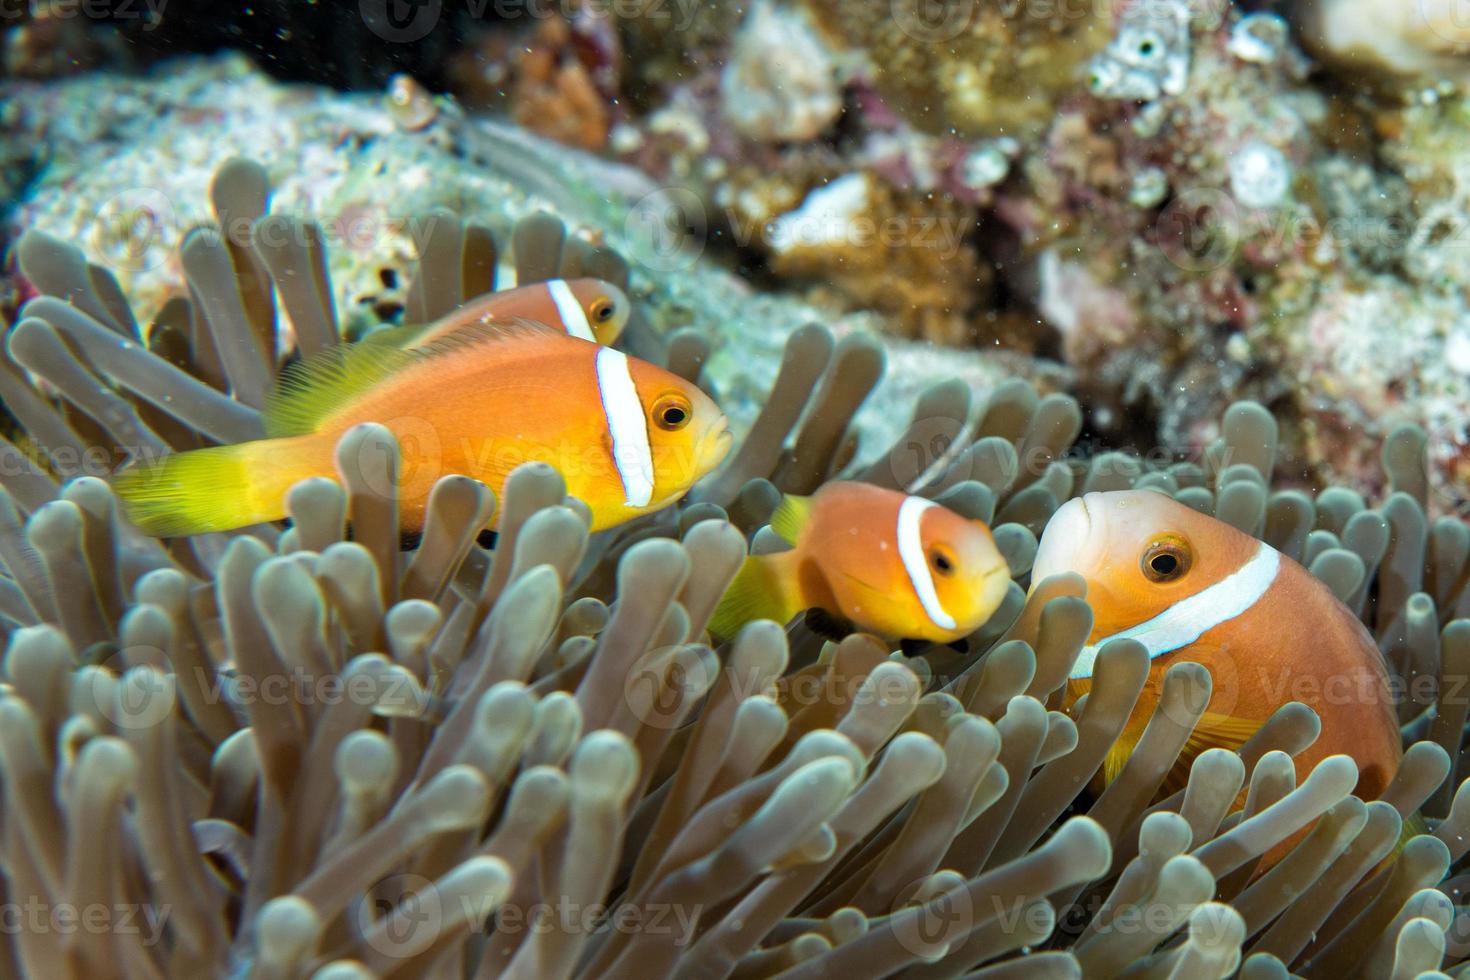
[(373, 185), (301, 752), (780, 84), (1244, 233), (1427, 40), (974, 69)]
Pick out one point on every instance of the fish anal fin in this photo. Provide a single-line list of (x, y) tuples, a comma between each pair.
[(757, 592), (313, 389), (1118, 755), (791, 516)]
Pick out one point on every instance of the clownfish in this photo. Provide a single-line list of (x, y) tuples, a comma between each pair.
[(1192, 588), (628, 437), (892, 564), (589, 309)]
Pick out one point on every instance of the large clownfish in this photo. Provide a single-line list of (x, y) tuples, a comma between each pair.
[(883, 561), (1190, 587), (589, 309), (628, 437)]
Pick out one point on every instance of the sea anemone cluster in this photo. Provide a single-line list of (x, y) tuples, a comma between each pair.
[(313, 751)]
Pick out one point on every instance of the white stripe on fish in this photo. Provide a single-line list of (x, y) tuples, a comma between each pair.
[(625, 423), (571, 312), (916, 563), (1189, 619)]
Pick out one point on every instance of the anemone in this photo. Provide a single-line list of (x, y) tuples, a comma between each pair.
[(308, 751)]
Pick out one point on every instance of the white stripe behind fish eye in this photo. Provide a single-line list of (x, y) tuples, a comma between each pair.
[(916, 563), (625, 423), (569, 309), (1189, 619)]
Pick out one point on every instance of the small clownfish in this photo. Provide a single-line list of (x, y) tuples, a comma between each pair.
[(900, 566), (1192, 588), (629, 438), (589, 309)]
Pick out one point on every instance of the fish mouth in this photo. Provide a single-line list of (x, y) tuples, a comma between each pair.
[(717, 442)]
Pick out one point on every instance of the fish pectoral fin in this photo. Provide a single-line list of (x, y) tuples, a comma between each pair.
[(1216, 731), (791, 516)]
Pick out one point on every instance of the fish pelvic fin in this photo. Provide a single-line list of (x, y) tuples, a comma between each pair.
[(214, 489), (761, 590)]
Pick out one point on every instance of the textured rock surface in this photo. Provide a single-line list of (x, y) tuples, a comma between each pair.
[(131, 162)]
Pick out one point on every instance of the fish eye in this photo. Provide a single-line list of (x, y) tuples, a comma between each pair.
[(602, 309), (1165, 561), (672, 412), (942, 561)]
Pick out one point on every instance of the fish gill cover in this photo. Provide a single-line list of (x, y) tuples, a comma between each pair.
[(316, 749)]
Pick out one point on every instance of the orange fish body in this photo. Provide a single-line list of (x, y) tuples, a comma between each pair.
[(628, 437), (589, 309), (889, 563), (1192, 588)]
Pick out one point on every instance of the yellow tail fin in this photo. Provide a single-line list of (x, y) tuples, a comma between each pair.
[(762, 590), (215, 489)]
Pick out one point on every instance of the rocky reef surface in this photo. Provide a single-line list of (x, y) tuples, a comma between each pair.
[(1199, 211), (129, 163)]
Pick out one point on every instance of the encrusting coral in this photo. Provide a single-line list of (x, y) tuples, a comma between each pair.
[(303, 752)]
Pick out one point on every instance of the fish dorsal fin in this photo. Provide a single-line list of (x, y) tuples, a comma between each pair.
[(311, 390), (791, 516), (484, 333)]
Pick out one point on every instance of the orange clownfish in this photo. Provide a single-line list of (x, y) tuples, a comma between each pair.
[(1190, 587), (886, 562), (589, 309), (628, 437)]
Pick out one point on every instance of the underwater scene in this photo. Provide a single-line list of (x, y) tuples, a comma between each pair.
[(701, 489)]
